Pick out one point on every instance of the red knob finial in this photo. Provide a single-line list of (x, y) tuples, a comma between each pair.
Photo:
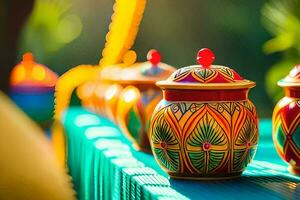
[(205, 57), (28, 57), (154, 56)]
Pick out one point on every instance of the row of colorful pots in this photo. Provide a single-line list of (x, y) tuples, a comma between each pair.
[(128, 95), (202, 125)]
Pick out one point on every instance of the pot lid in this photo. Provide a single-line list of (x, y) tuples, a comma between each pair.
[(28, 73), (292, 79), (205, 76), (148, 72)]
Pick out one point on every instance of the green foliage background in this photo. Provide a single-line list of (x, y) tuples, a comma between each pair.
[(49, 28)]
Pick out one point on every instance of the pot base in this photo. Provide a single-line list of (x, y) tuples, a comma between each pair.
[(207, 178), (294, 170)]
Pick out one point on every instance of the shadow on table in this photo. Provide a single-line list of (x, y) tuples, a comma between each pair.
[(246, 187)]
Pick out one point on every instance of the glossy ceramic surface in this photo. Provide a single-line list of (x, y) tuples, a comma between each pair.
[(134, 110), (204, 140), (286, 120), (205, 127)]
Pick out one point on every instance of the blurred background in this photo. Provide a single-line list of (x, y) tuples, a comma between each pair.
[(259, 39)]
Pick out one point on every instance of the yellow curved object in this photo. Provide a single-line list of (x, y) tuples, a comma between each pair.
[(68, 82), (58, 142), (28, 167), (120, 38), (123, 30), (65, 86)]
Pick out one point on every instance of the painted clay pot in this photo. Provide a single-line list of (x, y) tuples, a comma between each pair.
[(139, 97), (286, 120), (205, 127), (127, 94), (32, 89), (102, 95)]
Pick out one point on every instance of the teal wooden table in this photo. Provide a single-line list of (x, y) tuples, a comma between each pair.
[(104, 165)]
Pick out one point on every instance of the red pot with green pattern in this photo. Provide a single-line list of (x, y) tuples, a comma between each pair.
[(205, 127), (286, 120)]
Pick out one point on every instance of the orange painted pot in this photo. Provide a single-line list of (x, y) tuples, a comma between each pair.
[(139, 98), (128, 95), (205, 127), (286, 120)]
